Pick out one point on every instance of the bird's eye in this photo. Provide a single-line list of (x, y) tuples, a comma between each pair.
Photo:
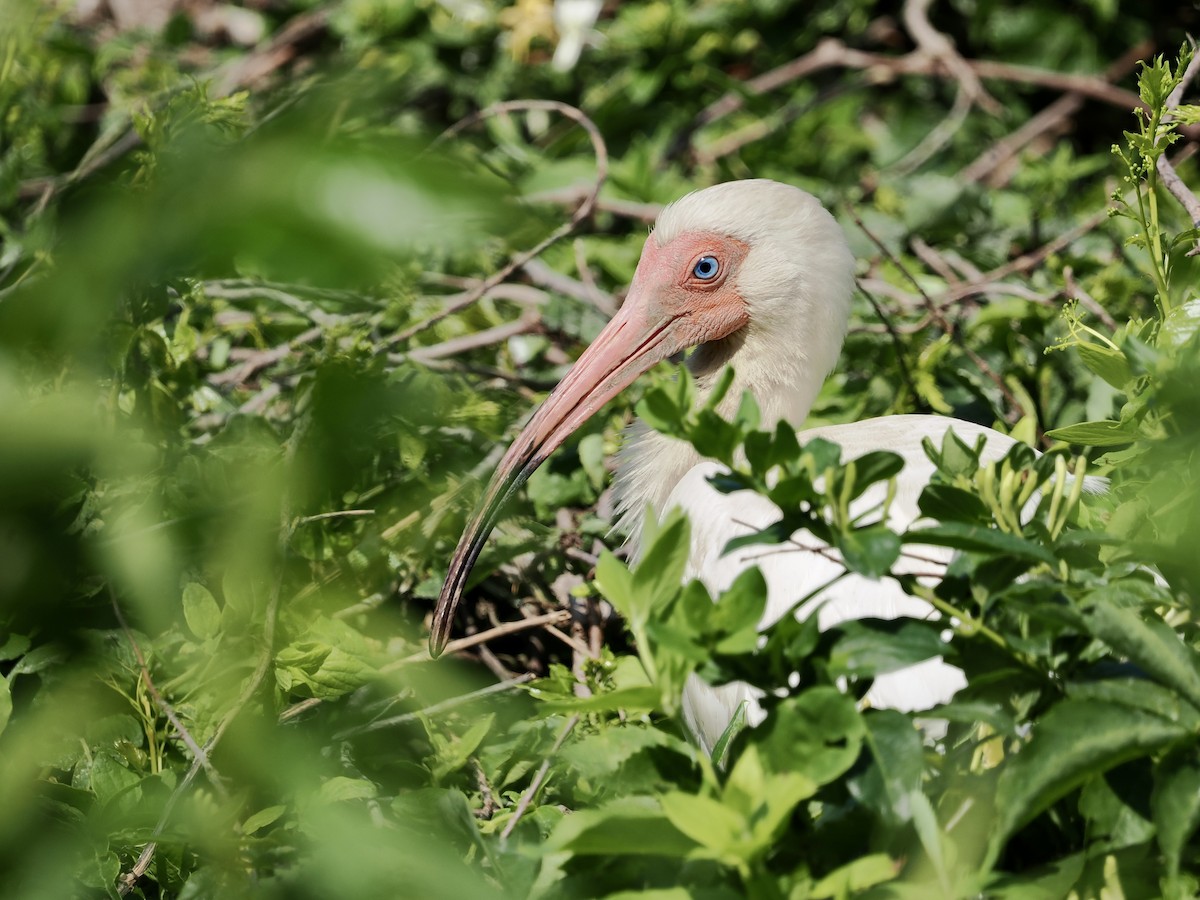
[(706, 268)]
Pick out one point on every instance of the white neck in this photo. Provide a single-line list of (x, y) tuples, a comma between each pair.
[(783, 381)]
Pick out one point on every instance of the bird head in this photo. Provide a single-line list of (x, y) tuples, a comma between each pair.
[(754, 258)]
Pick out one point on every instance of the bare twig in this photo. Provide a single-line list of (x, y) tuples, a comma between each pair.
[(941, 49), (336, 514), (498, 334), (535, 785), (999, 154), (897, 343), (450, 703), (552, 618), (832, 53), (262, 292), (263, 358), (581, 213)]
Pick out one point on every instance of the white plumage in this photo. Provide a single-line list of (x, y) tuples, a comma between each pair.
[(756, 275)]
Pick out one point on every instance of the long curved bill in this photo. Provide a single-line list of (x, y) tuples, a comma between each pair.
[(629, 345)]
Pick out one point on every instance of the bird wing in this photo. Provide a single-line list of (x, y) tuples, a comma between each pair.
[(803, 576)]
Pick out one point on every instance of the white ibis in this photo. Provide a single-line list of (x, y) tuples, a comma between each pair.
[(757, 275)]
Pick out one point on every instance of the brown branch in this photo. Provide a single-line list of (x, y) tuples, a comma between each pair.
[(832, 53), (515, 262), (1046, 120), (941, 49), (498, 334)]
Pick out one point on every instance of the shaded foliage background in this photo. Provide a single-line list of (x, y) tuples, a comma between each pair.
[(261, 338)]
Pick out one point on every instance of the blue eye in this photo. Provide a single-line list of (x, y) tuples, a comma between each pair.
[(706, 268)]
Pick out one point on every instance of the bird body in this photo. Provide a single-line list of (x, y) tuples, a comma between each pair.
[(806, 576), (755, 275)]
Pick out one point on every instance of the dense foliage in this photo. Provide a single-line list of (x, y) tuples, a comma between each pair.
[(265, 325)]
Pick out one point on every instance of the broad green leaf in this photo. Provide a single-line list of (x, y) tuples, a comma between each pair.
[(340, 788), (706, 821), (605, 751), (878, 465), (870, 551), (865, 872), (201, 611), (262, 819), (1106, 362), (1151, 642), (636, 826), (615, 582), (870, 647), (950, 504), (1138, 693), (659, 574), (1175, 803), (1095, 434), (1076, 740), (898, 766), (737, 612), (977, 539), (457, 753), (14, 646), (818, 732)]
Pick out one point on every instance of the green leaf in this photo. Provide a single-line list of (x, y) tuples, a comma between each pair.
[(1150, 642), (978, 539), (899, 764), (659, 574), (863, 873), (457, 753), (341, 788), (1096, 434), (1075, 740), (1106, 362), (201, 611), (635, 826), (633, 699), (738, 611), (818, 732), (737, 724), (951, 504), (615, 582), (871, 647), (878, 465), (262, 819), (706, 821), (1175, 803), (870, 551)]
